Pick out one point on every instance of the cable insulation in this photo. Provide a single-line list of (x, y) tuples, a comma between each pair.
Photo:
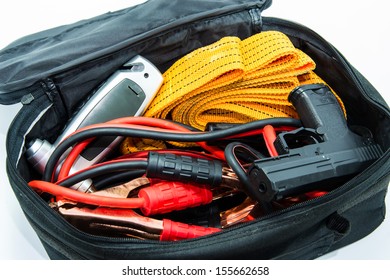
[(73, 195)]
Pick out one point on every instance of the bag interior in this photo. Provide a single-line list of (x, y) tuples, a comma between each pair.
[(75, 85)]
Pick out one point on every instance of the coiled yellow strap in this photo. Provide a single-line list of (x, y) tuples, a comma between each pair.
[(235, 81)]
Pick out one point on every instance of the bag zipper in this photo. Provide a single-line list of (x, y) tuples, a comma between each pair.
[(23, 119)]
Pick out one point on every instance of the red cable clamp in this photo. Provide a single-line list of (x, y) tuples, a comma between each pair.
[(165, 197), (173, 231)]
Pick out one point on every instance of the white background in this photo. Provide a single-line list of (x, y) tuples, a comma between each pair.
[(359, 29)]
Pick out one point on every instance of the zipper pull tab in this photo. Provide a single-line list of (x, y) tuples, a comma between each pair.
[(27, 99), (42, 88)]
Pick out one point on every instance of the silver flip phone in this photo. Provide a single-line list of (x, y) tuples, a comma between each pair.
[(127, 92)]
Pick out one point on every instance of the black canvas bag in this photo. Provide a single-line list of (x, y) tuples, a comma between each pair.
[(51, 72)]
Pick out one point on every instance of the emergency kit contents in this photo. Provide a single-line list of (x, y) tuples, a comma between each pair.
[(230, 133), (204, 131)]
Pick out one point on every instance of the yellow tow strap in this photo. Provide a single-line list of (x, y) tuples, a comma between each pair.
[(234, 80)]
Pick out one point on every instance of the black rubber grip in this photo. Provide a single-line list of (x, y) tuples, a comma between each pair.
[(181, 168)]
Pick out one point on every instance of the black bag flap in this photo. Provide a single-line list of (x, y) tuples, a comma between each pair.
[(38, 56)]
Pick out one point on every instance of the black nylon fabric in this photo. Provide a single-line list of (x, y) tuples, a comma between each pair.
[(40, 55)]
